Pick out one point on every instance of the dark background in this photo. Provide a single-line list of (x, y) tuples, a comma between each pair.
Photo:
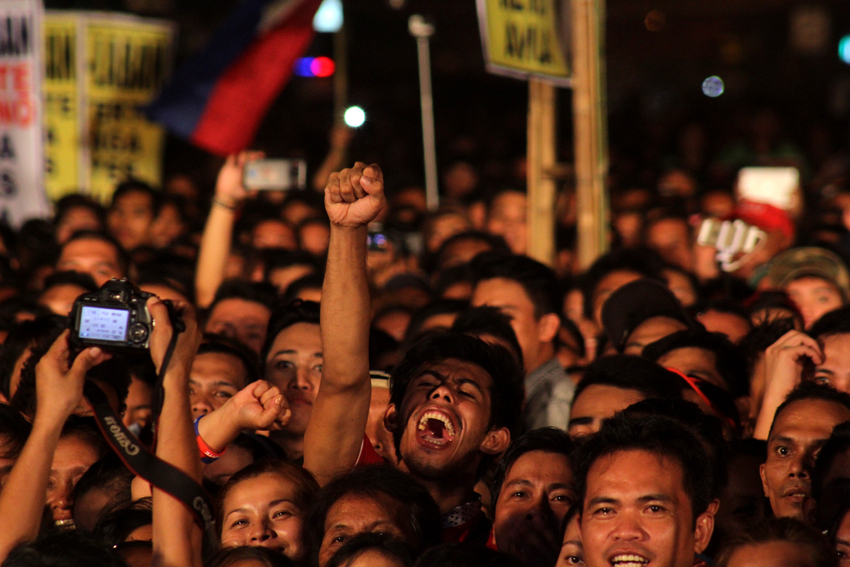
[(653, 77)]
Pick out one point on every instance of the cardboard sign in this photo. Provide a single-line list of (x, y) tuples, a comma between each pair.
[(21, 150), (100, 70), (522, 38)]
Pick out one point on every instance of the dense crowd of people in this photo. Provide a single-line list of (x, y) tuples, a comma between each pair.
[(357, 380)]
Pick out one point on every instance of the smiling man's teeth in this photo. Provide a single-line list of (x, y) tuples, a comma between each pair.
[(423, 422), (629, 561)]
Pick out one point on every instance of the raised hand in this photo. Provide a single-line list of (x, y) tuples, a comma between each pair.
[(258, 406), (187, 342), (229, 190), (59, 382), (354, 197)]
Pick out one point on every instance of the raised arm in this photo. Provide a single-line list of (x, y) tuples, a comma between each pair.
[(218, 231), (783, 369), (353, 198), (258, 406), (176, 537), (59, 390)]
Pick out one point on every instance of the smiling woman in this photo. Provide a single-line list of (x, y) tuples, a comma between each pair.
[(264, 505)]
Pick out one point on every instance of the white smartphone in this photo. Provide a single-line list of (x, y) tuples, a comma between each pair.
[(275, 174)]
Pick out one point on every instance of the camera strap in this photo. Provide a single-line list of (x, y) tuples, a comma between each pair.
[(143, 463), (177, 326)]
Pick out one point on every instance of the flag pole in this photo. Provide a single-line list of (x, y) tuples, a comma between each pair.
[(422, 30)]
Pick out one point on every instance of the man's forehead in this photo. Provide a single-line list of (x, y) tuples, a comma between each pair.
[(809, 417), (453, 367)]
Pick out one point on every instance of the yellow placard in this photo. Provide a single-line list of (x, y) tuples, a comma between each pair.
[(522, 38), (126, 64), (61, 116)]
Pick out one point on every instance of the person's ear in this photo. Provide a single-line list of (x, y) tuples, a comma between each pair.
[(496, 441), (704, 528), (763, 482), (547, 327), (391, 418)]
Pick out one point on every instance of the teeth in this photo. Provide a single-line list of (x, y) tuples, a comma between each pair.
[(450, 429), (629, 560)]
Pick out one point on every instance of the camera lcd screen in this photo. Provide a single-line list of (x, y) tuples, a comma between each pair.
[(104, 324)]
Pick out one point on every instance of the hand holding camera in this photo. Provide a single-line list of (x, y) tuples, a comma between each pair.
[(59, 379)]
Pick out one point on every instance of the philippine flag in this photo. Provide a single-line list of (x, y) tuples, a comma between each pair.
[(218, 98)]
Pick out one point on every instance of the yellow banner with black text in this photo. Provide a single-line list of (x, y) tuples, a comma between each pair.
[(523, 38)]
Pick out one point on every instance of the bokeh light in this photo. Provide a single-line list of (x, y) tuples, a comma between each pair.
[(713, 86), (844, 49), (355, 117)]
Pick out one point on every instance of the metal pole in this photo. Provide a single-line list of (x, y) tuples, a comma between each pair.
[(422, 30)]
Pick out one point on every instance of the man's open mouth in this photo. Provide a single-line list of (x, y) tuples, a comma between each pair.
[(435, 427), (628, 560)]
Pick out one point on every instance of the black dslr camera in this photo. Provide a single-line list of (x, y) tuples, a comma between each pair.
[(115, 317)]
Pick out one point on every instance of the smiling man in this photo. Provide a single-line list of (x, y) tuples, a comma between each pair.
[(644, 497), (454, 399), (801, 426)]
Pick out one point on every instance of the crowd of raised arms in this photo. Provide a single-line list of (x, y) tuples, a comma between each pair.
[(364, 382)]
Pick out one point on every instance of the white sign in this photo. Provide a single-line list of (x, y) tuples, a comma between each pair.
[(22, 194)]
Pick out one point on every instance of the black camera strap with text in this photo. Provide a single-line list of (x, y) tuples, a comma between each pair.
[(143, 463)]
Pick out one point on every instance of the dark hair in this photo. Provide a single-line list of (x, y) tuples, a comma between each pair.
[(432, 309), (75, 201), (811, 391), (283, 316), (462, 273), (120, 253), (506, 390), (107, 475), (465, 555), (279, 258), (762, 336), (220, 344), (789, 530), (707, 427), (138, 186), (771, 299), (114, 373), (305, 485), (380, 483), (837, 444), (14, 431), (629, 372), (489, 320), (656, 434), (545, 439), (641, 261), (728, 359), (384, 544), (537, 279), (32, 334), (66, 548), (262, 293), (115, 526), (230, 556), (836, 322), (495, 243), (310, 281), (78, 279)]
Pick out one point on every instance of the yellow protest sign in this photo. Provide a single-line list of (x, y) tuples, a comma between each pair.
[(62, 106), (522, 38), (100, 69), (127, 62)]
